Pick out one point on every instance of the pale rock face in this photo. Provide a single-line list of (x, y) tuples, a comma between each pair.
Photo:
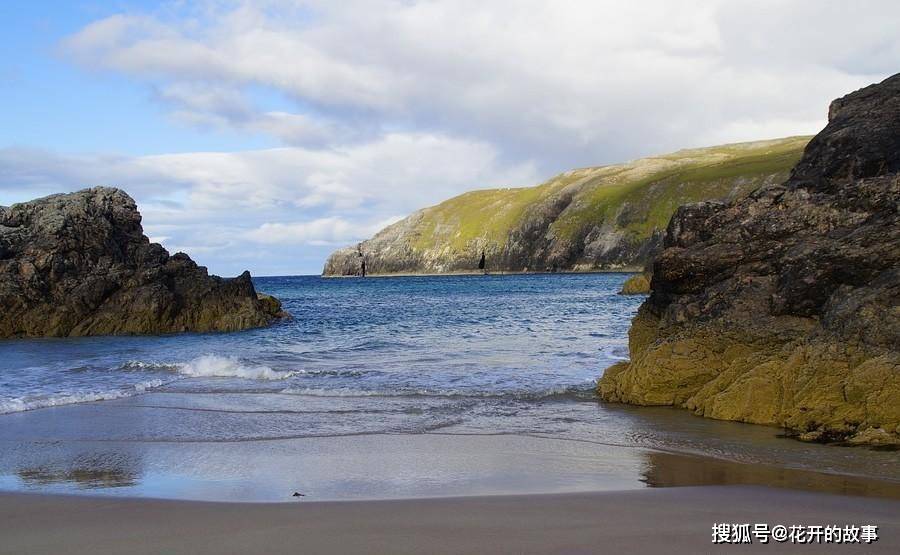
[(784, 307), (79, 264)]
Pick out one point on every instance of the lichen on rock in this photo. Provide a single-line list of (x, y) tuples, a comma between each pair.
[(79, 264), (638, 284), (783, 308)]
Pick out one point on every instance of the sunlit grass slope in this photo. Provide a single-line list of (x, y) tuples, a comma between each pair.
[(590, 218)]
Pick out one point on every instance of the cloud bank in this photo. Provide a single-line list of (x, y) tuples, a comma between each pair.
[(236, 208), (384, 107)]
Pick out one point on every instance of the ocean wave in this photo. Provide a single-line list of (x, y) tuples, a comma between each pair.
[(562, 391), (21, 404), (616, 352), (215, 366)]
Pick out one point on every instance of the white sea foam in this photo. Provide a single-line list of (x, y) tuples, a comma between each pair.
[(340, 392), (616, 352), (19, 404), (214, 366), (205, 366), (436, 392), (141, 365)]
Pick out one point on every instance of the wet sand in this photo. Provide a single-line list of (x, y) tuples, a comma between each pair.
[(663, 520), (434, 493), (358, 468)]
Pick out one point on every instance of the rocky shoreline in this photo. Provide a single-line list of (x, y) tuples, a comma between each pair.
[(784, 308), (79, 264)]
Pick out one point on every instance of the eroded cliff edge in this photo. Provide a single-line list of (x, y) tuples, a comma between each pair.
[(79, 264), (784, 308)]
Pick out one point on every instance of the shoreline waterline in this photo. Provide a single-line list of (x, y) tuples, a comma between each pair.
[(627, 270), (383, 466)]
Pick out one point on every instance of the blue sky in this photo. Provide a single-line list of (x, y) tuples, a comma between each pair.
[(57, 105), (262, 135)]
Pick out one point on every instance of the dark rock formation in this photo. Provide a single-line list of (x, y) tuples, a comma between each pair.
[(784, 307), (79, 264)]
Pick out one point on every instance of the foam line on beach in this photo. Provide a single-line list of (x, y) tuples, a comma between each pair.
[(214, 366), (20, 404)]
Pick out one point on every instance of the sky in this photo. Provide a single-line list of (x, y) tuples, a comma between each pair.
[(263, 135)]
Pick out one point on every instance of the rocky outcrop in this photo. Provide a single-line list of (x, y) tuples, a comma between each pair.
[(784, 308), (79, 264), (638, 284), (605, 218)]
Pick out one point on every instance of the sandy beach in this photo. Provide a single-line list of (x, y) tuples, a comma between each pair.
[(671, 520)]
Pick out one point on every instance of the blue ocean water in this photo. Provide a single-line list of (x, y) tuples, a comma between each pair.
[(518, 337), (376, 387)]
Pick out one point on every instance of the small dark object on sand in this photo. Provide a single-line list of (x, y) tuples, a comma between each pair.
[(298, 494)]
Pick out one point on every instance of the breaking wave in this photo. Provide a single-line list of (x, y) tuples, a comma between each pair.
[(20, 404), (616, 352), (215, 366)]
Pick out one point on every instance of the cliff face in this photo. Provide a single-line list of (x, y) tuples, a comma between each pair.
[(784, 307), (79, 264), (604, 218)]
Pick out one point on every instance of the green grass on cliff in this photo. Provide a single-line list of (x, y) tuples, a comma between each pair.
[(656, 187), (637, 197), (485, 215)]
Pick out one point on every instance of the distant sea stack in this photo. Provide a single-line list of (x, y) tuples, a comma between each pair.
[(784, 307), (593, 219), (79, 264)]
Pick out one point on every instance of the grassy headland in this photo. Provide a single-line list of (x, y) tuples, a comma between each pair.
[(601, 218)]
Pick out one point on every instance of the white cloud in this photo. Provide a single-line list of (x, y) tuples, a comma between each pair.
[(27, 172), (332, 231), (386, 107), (397, 172), (221, 203), (560, 83), (219, 108)]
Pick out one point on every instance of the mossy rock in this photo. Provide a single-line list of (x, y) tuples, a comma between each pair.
[(638, 284)]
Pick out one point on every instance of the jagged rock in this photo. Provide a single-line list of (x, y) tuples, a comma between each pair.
[(784, 307), (603, 218), (79, 264)]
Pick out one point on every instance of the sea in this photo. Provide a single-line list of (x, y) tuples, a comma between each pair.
[(387, 387)]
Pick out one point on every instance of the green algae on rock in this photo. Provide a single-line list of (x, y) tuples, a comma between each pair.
[(783, 308), (79, 264), (603, 218), (638, 284)]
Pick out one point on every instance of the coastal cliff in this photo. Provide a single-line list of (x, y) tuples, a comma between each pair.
[(604, 218), (783, 308), (79, 264)]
